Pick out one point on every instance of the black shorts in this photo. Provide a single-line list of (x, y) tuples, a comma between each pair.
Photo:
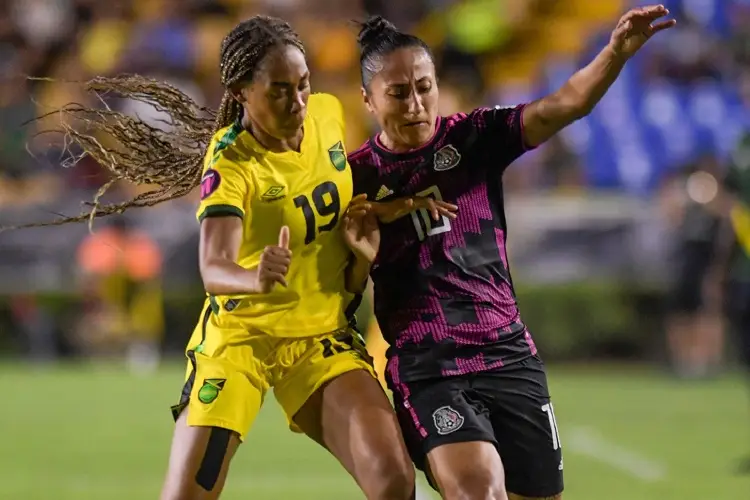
[(738, 313), (694, 261), (509, 407)]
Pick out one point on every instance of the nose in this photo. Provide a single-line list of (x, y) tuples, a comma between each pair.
[(297, 103), (414, 103)]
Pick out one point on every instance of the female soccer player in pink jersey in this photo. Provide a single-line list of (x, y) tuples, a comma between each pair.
[(469, 386)]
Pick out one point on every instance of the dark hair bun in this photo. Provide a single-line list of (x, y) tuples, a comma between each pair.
[(373, 29)]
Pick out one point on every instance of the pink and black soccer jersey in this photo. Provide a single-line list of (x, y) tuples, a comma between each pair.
[(444, 296)]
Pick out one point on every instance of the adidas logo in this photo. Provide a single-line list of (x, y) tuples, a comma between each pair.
[(383, 192)]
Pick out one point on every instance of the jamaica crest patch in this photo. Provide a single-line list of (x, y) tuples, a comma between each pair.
[(210, 390), (447, 420), (337, 155)]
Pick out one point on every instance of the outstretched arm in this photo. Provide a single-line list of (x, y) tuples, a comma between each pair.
[(391, 210), (545, 117)]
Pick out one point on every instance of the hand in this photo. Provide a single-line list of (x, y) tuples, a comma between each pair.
[(636, 27), (274, 263), (389, 211), (362, 236)]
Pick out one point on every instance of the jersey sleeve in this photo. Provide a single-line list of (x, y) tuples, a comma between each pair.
[(224, 187), (501, 129)]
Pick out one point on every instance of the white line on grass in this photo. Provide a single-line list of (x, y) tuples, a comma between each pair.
[(588, 442)]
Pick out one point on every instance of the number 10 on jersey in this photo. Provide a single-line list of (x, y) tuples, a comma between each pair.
[(423, 221)]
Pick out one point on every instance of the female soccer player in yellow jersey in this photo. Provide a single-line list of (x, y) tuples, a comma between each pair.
[(275, 185), (275, 258)]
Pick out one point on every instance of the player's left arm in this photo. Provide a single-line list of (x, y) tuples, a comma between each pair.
[(362, 236), (391, 210), (545, 117), (357, 274)]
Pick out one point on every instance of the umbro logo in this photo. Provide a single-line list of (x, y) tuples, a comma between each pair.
[(446, 158), (383, 192), (274, 193)]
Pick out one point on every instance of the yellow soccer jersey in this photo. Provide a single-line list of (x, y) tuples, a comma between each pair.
[(307, 191)]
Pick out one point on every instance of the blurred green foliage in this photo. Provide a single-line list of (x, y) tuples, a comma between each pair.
[(568, 321)]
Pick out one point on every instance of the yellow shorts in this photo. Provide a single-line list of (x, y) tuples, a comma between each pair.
[(230, 370)]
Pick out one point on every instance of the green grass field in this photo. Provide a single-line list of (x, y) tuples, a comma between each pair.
[(99, 433)]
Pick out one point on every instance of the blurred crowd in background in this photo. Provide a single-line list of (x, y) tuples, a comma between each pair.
[(602, 205), (685, 89)]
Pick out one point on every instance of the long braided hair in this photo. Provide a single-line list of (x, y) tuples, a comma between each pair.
[(170, 160)]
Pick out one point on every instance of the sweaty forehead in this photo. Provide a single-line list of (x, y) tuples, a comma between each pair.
[(282, 64), (406, 65)]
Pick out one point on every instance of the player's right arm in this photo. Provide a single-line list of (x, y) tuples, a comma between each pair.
[(225, 192), (220, 239)]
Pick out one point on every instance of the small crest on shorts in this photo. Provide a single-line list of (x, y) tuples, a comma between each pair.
[(447, 158), (447, 420), (210, 389), (338, 156), (209, 183)]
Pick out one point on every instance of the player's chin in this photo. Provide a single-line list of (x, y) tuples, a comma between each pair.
[(416, 135), (291, 125)]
